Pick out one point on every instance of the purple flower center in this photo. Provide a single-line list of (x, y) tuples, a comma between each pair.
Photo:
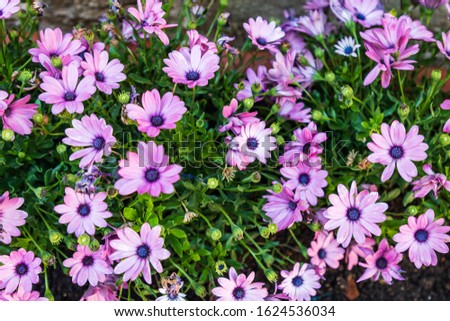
[(292, 205), (421, 236), (99, 76), (306, 148), (348, 50), (192, 75), (261, 41), (353, 214), (152, 175), (143, 251), (238, 293), (98, 143), (88, 260), (157, 120), (21, 269), (84, 210), (252, 143), (360, 16), (381, 263), (297, 281), (304, 179), (1, 13), (70, 96), (8, 112), (322, 253), (396, 152)]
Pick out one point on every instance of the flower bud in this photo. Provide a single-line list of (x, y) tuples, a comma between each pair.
[(48, 258), (89, 36), (248, 103), (275, 128), (38, 118), (330, 76), (8, 135), (273, 228), (241, 86), (280, 139), (94, 245), (264, 232), (436, 75), (56, 62), (124, 97), (70, 243), (444, 139), (112, 192), (277, 188), (192, 25), (200, 123), (347, 91), (84, 239), (200, 291), (21, 155), (25, 76), (255, 177), (215, 234), (221, 267), (213, 183), (61, 149), (271, 275), (412, 210), (317, 115), (315, 227), (223, 3), (319, 53), (256, 88), (55, 237), (237, 232)]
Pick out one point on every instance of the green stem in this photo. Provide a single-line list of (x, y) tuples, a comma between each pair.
[(400, 81)]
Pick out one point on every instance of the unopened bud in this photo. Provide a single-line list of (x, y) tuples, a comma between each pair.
[(56, 62), (8, 135), (124, 97), (412, 210), (200, 291), (255, 177), (271, 275), (84, 239), (264, 232), (277, 188), (61, 149), (347, 91), (213, 183), (55, 237), (273, 228), (256, 88), (48, 258), (237, 232), (319, 53), (248, 103), (444, 139), (215, 234), (25, 76), (436, 75), (317, 115), (330, 76), (38, 118)]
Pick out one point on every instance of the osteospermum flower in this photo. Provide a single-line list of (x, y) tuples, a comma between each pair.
[(138, 252), (22, 295), (147, 171), (67, 93), (239, 288), (255, 80), (157, 113), (315, 24), (355, 251), (10, 217), (8, 8), (263, 34), (325, 251), (197, 39), (300, 283), (295, 110), (354, 214), (383, 262), (284, 208), (17, 115), (431, 182), (86, 265), (83, 212), (93, 134), (365, 12), (396, 148), (444, 46), (433, 4), (423, 236), (236, 121), (316, 4), (446, 106), (19, 270), (105, 291), (308, 182), (107, 74), (347, 47), (191, 67)]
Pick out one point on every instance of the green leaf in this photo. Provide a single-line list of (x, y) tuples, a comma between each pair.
[(177, 233), (175, 244), (130, 214)]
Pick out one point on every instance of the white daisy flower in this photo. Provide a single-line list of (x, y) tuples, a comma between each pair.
[(347, 47)]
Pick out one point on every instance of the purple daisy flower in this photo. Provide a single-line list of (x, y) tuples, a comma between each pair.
[(92, 133), (365, 12), (17, 115), (423, 237), (8, 8), (191, 67), (433, 4), (396, 148), (67, 93), (325, 251), (444, 46), (300, 283), (197, 39), (355, 251), (295, 110), (10, 217), (254, 80), (139, 251), (19, 270), (22, 295), (383, 262), (147, 171), (86, 265), (431, 182), (237, 121), (355, 214), (157, 113), (446, 106), (239, 288), (263, 34), (315, 24), (316, 4), (83, 212)]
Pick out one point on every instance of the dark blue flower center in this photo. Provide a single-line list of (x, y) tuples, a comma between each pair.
[(99, 76), (143, 251), (252, 143), (221, 267), (239, 293), (157, 120), (353, 214), (192, 75), (152, 175), (381, 263), (322, 253), (21, 269), (70, 96), (292, 205), (360, 16), (348, 50), (1, 12), (88, 260), (261, 41), (297, 281), (98, 143), (304, 179), (421, 236), (396, 152), (8, 112), (84, 210), (306, 148)]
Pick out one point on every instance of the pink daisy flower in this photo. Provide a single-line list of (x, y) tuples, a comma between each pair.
[(92, 133), (237, 121), (239, 288), (197, 39), (105, 291), (423, 237), (156, 113), (284, 208), (325, 251), (383, 262), (308, 71), (19, 270), (17, 115), (444, 46), (67, 93), (22, 295), (431, 182), (300, 283), (8, 8), (316, 4), (254, 80), (191, 67), (417, 30), (86, 265), (315, 24), (107, 74), (365, 12), (446, 106), (263, 34), (355, 214), (234, 155), (54, 44), (83, 212), (433, 4), (307, 181), (147, 171), (396, 148), (10, 217), (355, 251), (138, 252), (295, 110)]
